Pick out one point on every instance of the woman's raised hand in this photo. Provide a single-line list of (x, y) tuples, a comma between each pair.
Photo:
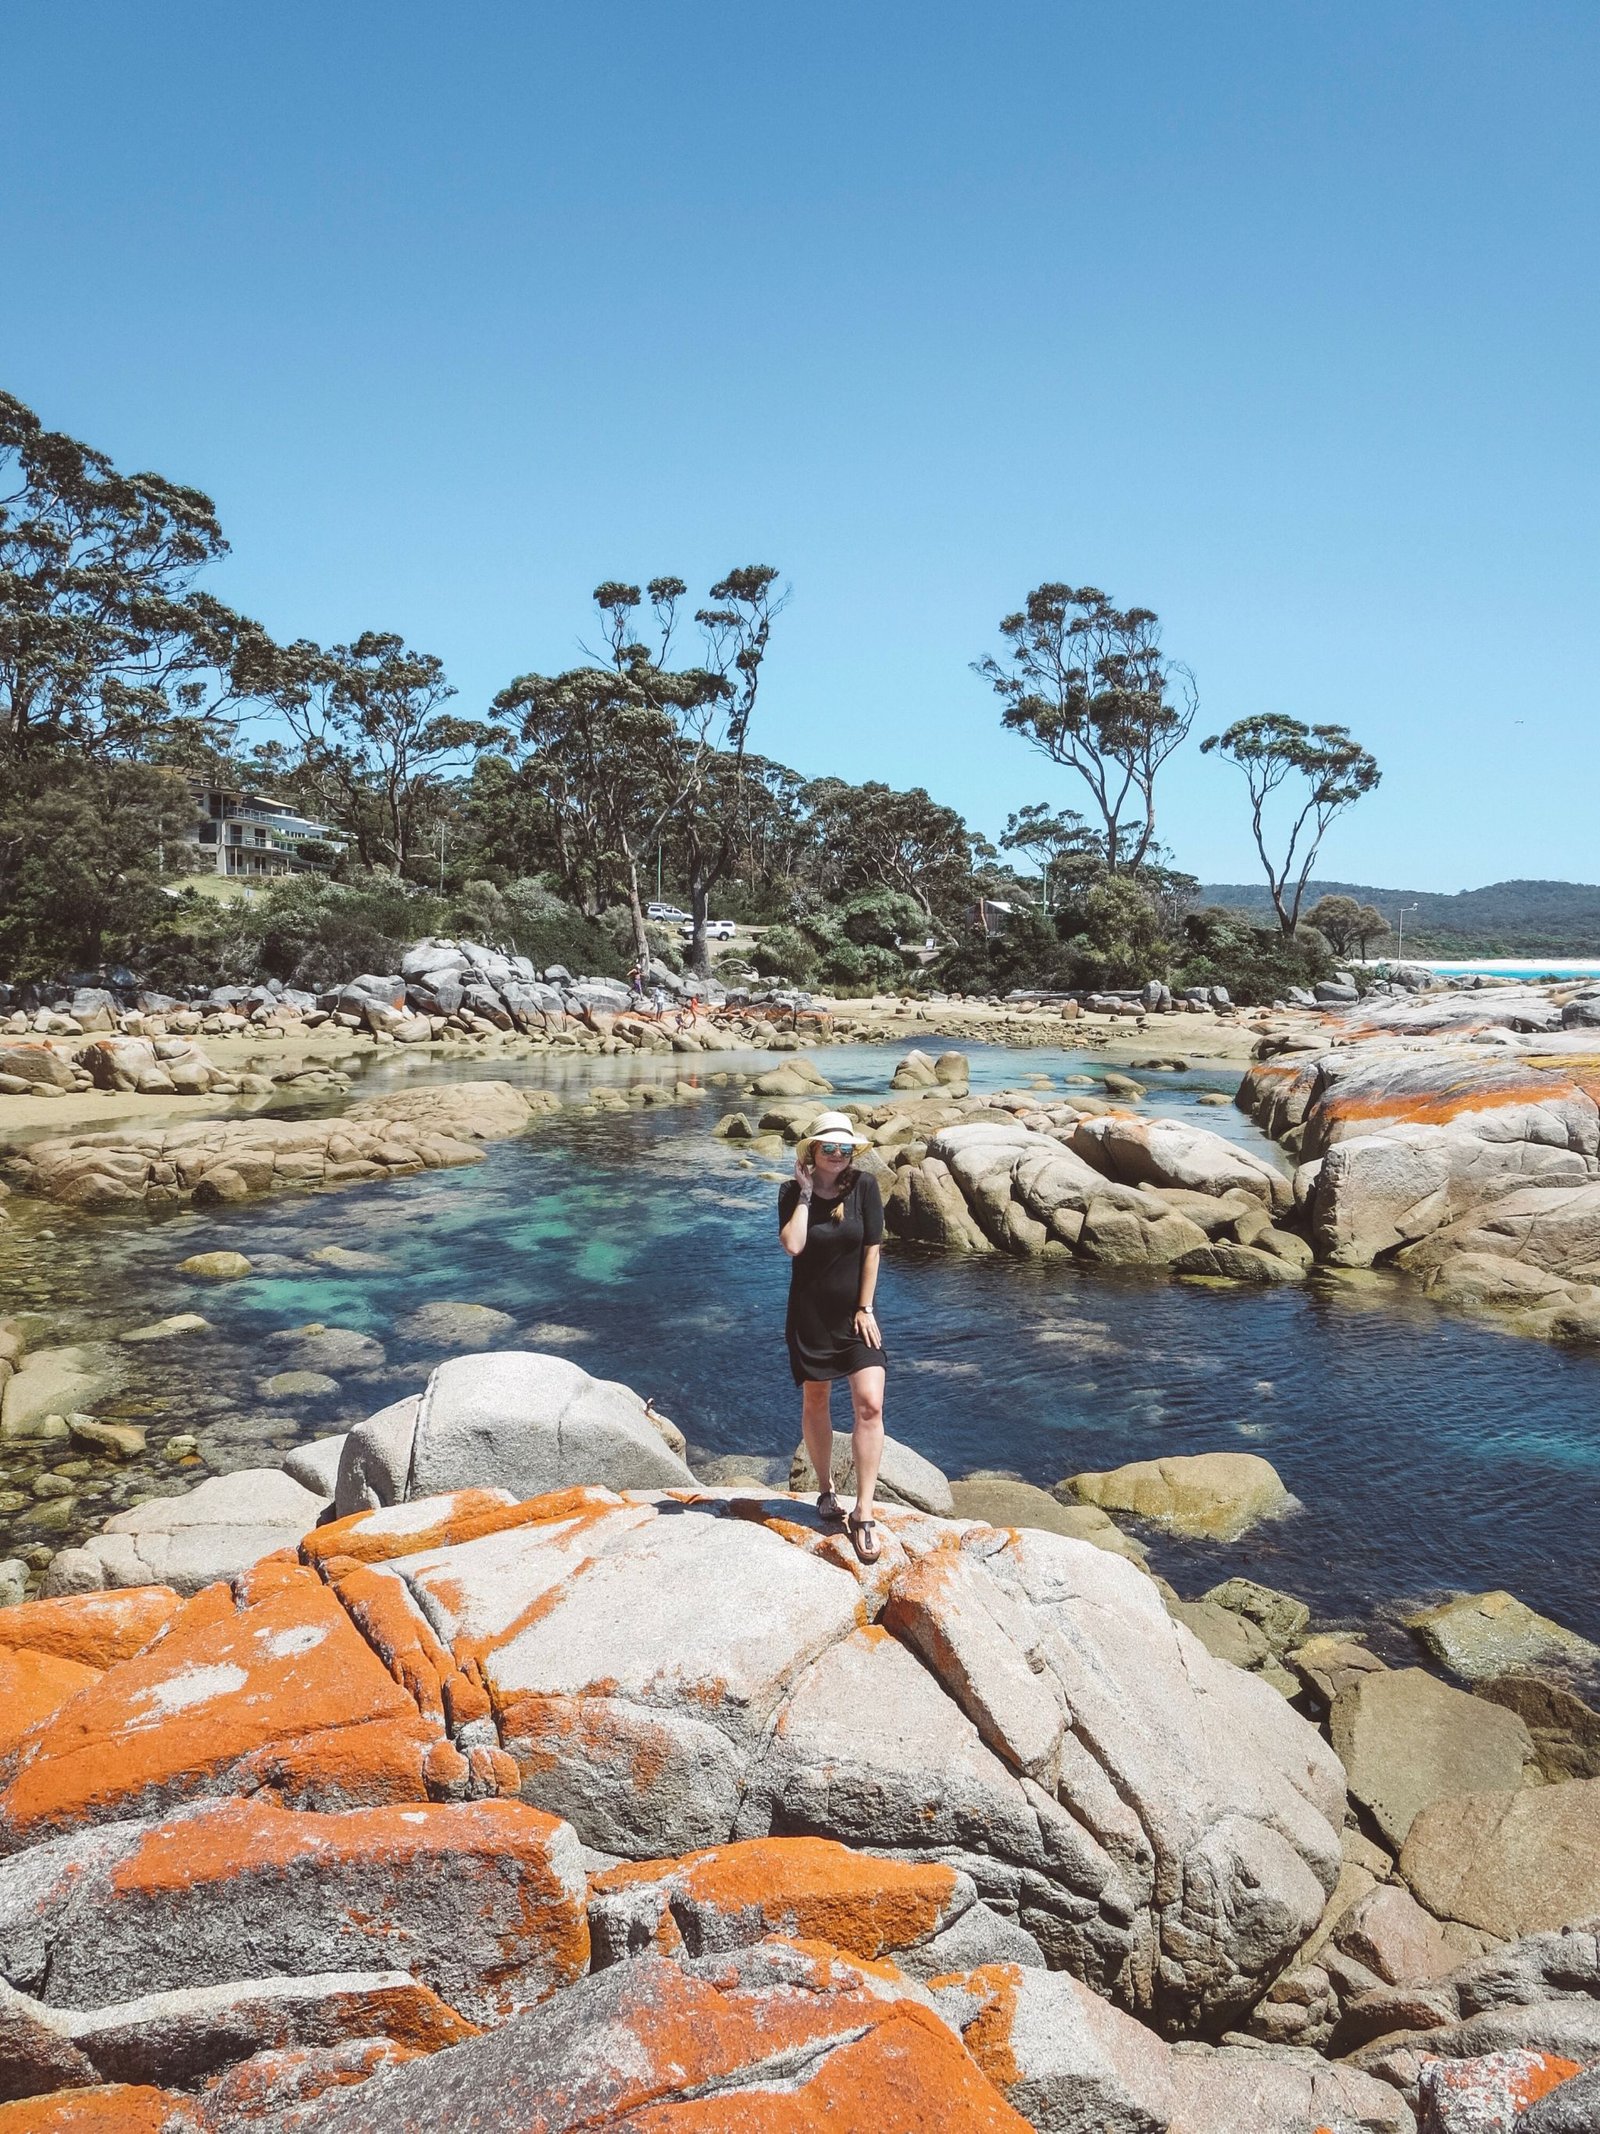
[(805, 1178)]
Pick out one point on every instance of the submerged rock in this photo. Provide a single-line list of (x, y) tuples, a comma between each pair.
[(1208, 1495), (1481, 1635), (455, 1326), (216, 1266), (55, 1383)]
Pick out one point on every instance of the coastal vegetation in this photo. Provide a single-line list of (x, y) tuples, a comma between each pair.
[(546, 819)]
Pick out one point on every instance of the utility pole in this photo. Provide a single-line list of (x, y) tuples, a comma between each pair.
[(1400, 950)]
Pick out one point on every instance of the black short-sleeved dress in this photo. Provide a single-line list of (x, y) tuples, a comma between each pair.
[(825, 1280)]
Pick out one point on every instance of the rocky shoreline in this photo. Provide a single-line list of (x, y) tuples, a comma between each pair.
[(1455, 1141), (513, 1763)]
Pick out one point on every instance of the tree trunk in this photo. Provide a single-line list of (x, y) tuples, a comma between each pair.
[(699, 908), (641, 941)]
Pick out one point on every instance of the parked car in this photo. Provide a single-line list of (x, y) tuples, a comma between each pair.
[(716, 929), (668, 913)]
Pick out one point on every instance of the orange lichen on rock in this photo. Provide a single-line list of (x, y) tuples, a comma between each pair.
[(1499, 2084), (808, 1889), (777, 2039), (95, 1629), (987, 2034), (116, 2108), (1452, 1098), (293, 2077), (443, 1522), (34, 1686), (395, 1627), (270, 1670), (905, 2076)]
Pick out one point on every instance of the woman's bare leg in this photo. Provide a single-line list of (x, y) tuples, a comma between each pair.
[(866, 1397), (816, 1427)]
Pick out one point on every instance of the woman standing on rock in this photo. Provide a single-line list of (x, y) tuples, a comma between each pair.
[(830, 1222)]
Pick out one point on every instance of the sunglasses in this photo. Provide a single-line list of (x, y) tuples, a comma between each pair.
[(833, 1148)]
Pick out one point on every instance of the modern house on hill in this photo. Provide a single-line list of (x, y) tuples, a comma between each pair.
[(250, 834)]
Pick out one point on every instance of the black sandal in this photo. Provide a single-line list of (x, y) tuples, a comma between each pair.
[(861, 1532), (830, 1509)]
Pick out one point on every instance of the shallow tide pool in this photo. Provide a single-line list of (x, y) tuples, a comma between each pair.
[(1427, 1453)]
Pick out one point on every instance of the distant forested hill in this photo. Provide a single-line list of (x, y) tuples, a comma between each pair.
[(1506, 919)]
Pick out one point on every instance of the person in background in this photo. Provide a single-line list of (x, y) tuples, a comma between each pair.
[(830, 1222)]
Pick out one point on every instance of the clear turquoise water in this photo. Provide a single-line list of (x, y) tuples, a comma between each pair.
[(1428, 1453)]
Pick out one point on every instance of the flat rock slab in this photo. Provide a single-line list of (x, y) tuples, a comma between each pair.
[(214, 1162), (214, 1531), (484, 1902), (798, 2037), (692, 1626), (265, 1686), (1407, 1739), (1511, 1863), (1481, 1635)]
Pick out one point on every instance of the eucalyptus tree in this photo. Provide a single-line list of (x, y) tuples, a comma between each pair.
[(1326, 772), (106, 641), (1088, 685), (616, 748), (711, 813), (1049, 836), (1346, 923), (872, 836), (376, 744)]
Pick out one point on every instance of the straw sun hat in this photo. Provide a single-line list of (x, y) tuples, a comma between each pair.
[(831, 1126)]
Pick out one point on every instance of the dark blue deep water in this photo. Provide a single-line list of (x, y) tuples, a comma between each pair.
[(1428, 1453)]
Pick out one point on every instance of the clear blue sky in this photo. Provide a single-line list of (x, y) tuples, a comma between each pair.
[(1281, 319)]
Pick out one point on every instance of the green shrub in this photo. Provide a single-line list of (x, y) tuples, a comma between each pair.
[(315, 934), (1028, 953), (1256, 963), (785, 952), (1113, 936)]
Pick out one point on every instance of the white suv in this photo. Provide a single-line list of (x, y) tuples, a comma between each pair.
[(716, 929)]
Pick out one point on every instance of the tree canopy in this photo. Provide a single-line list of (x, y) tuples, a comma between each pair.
[(106, 641), (1331, 773), (1086, 682)]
